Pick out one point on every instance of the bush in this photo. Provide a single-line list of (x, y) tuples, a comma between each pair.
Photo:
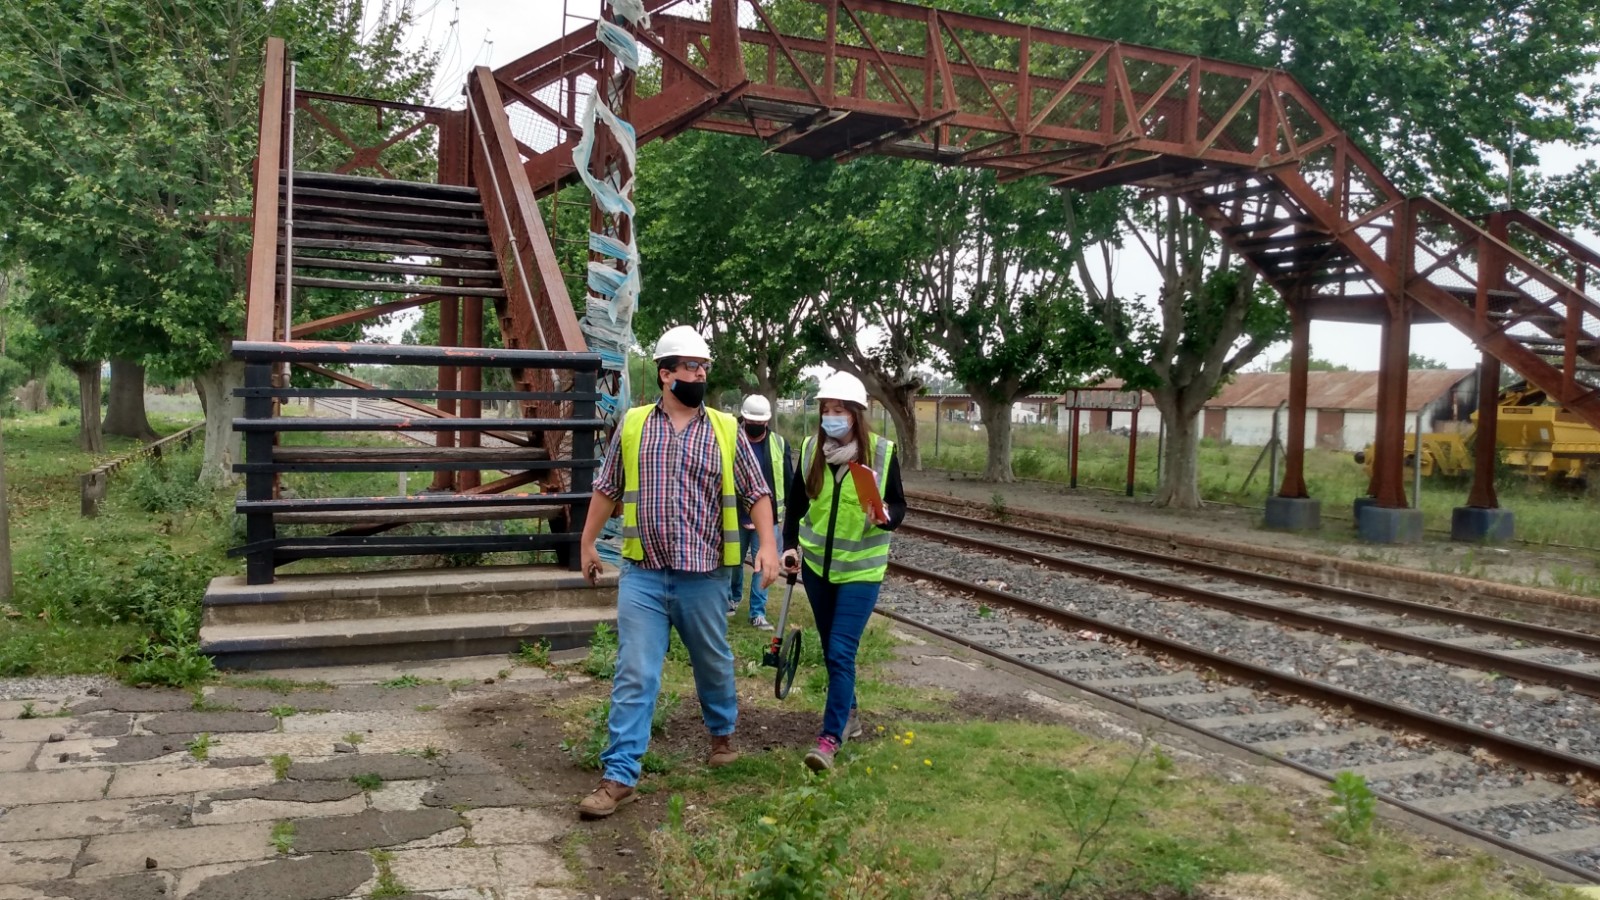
[(169, 484), (602, 659)]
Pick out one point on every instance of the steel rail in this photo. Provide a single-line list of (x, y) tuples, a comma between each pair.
[(1134, 704), (1526, 753), (1587, 643), (1387, 638)]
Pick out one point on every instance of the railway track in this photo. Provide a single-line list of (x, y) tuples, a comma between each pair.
[(1487, 727)]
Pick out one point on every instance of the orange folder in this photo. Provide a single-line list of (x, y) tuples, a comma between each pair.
[(867, 492)]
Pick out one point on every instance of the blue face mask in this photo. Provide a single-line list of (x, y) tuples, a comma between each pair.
[(836, 427)]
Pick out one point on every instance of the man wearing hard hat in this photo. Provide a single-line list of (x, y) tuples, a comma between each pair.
[(773, 452), (679, 472)]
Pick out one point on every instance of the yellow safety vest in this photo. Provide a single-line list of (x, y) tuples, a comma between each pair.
[(778, 450), (860, 549), (726, 429)]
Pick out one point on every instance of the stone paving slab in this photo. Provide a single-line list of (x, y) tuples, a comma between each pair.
[(35, 730), (222, 812), (200, 845), (45, 821), (117, 807), (13, 709), (162, 779), (319, 877), (16, 757), (23, 861), (21, 788)]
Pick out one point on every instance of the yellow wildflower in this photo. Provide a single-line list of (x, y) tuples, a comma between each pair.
[(927, 762), (768, 820)]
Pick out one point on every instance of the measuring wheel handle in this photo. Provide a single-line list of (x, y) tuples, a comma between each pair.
[(785, 649)]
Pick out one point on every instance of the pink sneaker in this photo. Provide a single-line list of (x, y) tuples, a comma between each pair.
[(821, 758)]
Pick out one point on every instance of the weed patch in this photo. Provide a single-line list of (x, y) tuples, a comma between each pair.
[(602, 659)]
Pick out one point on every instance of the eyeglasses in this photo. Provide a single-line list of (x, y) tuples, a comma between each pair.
[(694, 366)]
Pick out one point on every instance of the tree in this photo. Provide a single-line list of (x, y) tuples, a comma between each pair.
[(727, 257), (1313, 364), (125, 413), (122, 124), (992, 279), (1418, 361)]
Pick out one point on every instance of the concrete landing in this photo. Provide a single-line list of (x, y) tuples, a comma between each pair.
[(350, 618)]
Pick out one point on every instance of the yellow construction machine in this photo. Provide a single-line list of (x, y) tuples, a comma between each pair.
[(1535, 437)]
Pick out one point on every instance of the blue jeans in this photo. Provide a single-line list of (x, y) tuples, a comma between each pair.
[(758, 594), (841, 611), (651, 602)]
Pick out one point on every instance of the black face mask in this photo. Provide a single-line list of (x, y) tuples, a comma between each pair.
[(689, 393), (754, 431)]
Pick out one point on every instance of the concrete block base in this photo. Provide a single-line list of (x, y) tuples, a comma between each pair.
[(1358, 505), (1294, 514), (1482, 526), (1380, 525)]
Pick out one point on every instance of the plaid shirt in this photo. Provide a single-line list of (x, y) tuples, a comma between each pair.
[(680, 490)]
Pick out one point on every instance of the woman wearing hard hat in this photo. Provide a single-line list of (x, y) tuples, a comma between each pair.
[(842, 503)]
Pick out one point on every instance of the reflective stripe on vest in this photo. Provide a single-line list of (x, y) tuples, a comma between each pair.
[(860, 549), (779, 451), (726, 430)]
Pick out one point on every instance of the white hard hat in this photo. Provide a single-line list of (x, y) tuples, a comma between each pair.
[(682, 341), (756, 409), (843, 386)]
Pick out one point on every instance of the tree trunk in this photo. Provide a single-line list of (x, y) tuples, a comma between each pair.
[(904, 413), (1180, 459), (33, 397), (216, 386), (996, 416), (90, 438), (125, 413)]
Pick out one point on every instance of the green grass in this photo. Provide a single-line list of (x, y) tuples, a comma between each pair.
[(118, 594), (961, 808)]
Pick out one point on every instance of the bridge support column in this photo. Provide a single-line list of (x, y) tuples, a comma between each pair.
[(1482, 520), (452, 170), (1384, 518), (1293, 509)]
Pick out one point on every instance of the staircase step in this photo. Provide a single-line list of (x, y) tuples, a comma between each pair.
[(394, 186), (349, 618), (409, 203), (309, 211), (398, 268), (1587, 343), (405, 454), (417, 516), (400, 249), (476, 236), (396, 287)]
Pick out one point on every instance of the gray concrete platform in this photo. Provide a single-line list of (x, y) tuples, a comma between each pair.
[(361, 618)]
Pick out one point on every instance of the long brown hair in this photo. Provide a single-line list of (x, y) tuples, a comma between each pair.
[(858, 427)]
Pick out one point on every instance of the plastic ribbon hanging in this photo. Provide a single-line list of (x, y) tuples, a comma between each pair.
[(612, 277)]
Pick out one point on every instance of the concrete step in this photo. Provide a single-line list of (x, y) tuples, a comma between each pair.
[(342, 596), (357, 618), (364, 641)]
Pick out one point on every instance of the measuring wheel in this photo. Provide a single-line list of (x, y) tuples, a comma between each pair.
[(783, 653)]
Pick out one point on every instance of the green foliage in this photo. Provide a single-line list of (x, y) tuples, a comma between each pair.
[(585, 750), (666, 704), (1355, 808), (403, 681), (801, 846), (602, 659), (536, 654), (369, 782), (28, 711), (200, 746), (280, 766), (282, 837), (388, 884), (169, 484)]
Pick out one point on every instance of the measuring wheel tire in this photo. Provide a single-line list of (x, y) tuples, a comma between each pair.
[(788, 664)]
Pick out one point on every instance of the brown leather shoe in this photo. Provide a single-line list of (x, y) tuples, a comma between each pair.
[(605, 799), (722, 752)]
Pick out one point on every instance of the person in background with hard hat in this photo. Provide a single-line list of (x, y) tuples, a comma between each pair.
[(679, 471), (844, 544), (773, 452)]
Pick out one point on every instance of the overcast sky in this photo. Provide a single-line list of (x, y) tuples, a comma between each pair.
[(468, 33)]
